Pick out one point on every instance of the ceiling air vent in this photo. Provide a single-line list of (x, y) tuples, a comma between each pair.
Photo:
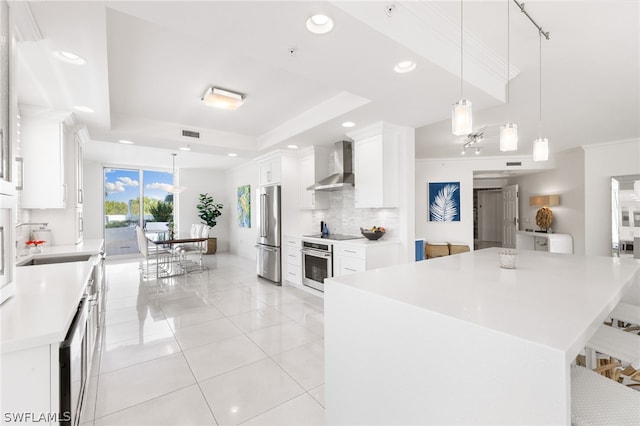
[(514, 163), (191, 134)]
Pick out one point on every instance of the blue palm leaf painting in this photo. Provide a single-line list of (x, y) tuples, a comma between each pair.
[(444, 202)]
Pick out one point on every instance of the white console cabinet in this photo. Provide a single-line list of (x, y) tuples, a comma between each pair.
[(553, 243)]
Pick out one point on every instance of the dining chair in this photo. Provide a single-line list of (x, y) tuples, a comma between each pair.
[(194, 249), (596, 400), (162, 255)]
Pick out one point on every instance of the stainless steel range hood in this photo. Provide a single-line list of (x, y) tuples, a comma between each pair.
[(342, 155)]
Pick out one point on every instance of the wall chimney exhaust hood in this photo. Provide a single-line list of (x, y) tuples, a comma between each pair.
[(342, 155)]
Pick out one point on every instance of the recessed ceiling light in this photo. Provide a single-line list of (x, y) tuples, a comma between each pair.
[(404, 67), (319, 24), (292, 146), (185, 148), (70, 58), (126, 142), (348, 124), (82, 108), (232, 154)]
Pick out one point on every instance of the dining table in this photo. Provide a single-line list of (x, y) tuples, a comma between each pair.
[(461, 340), (168, 240)]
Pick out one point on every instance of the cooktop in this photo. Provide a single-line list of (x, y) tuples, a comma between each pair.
[(336, 237)]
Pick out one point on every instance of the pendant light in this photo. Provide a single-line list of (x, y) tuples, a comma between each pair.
[(540, 145), (175, 189), (461, 119), (508, 132)]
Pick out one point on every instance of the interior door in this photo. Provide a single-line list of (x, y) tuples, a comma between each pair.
[(510, 218)]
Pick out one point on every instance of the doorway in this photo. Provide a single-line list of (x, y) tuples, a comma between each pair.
[(487, 208), (124, 188)]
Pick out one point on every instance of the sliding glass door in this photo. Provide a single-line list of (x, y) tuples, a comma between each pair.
[(124, 188)]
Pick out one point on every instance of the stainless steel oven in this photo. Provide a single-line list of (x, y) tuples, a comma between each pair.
[(317, 264)]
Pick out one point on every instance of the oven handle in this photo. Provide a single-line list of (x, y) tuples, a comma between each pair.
[(316, 253)]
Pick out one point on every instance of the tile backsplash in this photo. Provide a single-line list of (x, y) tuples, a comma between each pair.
[(343, 217)]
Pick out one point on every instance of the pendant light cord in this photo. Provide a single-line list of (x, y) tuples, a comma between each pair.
[(540, 72), (461, 49), (508, 49)]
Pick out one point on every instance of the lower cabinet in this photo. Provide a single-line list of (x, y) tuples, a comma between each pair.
[(350, 258), (293, 260)]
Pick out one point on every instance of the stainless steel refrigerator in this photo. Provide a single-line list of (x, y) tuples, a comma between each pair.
[(269, 229)]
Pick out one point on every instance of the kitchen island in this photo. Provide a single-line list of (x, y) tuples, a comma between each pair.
[(458, 340)]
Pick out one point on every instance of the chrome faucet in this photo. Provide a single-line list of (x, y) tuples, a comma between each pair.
[(43, 225)]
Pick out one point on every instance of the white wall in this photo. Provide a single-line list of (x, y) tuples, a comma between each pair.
[(601, 162), (457, 170), (201, 181), (567, 180), (93, 197), (242, 240)]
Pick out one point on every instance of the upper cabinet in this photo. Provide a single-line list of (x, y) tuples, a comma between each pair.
[(46, 141), (376, 166), (80, 138), (270, 171), (313, 165)]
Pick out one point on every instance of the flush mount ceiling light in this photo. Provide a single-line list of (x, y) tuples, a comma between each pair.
[(508, 132), (348, 124), (319, 24), (68, 57), (82, 108), (461, 118), (232, 154), (223, 99), (125, 142), (404, 67)]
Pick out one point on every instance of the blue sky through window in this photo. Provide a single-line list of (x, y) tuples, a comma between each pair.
[(124, 185)]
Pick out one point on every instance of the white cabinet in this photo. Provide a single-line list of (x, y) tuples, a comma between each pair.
[(44, 184), (376, 166), (313, 165), (293, 260), (349, 259), (358, 257), (80, 138), (50, 160), (270, 171)]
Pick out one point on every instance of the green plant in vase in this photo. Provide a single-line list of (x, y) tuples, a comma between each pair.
[(208, 212)]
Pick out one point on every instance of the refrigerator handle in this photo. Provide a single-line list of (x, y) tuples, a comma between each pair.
[(263, 214)]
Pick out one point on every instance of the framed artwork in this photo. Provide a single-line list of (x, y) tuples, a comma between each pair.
[(444, 201), (244, 206)]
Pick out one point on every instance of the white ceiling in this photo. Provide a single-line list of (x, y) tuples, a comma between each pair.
[(149, 62)]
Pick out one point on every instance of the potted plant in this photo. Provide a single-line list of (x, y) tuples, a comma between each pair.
[(208, 211)]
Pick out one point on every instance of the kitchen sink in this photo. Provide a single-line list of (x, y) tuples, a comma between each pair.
[(55, 259)]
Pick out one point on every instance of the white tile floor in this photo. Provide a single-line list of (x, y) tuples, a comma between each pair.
[(221, 347)]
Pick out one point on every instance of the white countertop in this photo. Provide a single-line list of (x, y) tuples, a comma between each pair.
[(551, 299), (46, 299), (360, 242), (94, 246)]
